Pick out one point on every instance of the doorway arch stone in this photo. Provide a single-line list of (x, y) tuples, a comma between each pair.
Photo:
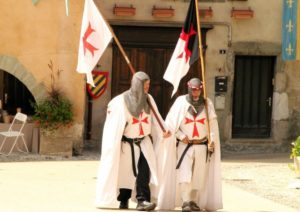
[(13, 66)]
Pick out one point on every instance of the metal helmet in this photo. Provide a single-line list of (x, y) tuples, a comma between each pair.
[(195, 83)]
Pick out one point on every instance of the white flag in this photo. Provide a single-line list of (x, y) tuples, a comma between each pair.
[(178, 67), (186, 51), (94, 38)]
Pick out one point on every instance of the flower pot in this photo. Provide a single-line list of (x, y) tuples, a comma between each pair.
[(55, 144), (6, 119)]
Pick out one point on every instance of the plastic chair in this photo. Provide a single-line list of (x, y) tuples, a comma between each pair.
[(14, 131)]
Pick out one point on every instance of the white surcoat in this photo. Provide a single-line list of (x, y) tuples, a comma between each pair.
[(193, 168), (210, 194), (136, 127), (116, 155)]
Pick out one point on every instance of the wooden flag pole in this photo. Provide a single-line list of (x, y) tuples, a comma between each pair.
[(202, 69), (133, 71), (122, 50)]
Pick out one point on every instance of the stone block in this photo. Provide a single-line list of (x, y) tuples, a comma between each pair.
[(280, 106), (281, 131), (55, 146), (280, 82)]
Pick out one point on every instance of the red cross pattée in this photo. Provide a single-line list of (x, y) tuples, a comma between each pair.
[(86, 44), (140, 121), (194, 120), (186, 38)]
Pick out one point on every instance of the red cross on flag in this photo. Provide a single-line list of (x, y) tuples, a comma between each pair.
[(94, 37), (186, 50)]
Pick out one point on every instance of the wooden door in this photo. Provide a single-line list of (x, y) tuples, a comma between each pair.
[(149, 49), (252, 101)]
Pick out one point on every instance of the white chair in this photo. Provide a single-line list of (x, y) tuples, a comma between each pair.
[(14, 131)]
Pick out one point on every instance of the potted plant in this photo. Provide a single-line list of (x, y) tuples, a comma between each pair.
[(54, 116), (53, 112), (295, 154)]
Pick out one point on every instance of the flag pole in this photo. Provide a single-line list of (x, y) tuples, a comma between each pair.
[(202, 69), (121, 49), (133, 71)]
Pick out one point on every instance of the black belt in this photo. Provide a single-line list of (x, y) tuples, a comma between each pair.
[(205, 142), (132, 141)]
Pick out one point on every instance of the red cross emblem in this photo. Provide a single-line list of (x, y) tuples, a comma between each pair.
[(86, 44), (186, 38), (194, 120), (140, 121)]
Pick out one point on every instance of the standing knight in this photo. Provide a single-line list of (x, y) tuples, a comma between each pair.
[(128, 160), (196, 179)]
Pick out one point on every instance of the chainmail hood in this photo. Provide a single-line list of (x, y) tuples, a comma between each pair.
[(198, 105), (135, 98)]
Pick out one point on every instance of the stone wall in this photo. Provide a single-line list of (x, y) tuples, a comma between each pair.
[(31, 36), (260, 35), (35, 34)]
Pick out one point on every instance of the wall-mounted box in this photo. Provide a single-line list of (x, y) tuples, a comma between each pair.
[(124, 11), (220, 102), (206, 13), (163, 12), (242, 13), (221, 84)]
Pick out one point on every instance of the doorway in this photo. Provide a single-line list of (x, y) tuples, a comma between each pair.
[(149, 49), (252, 98), (14, 94)]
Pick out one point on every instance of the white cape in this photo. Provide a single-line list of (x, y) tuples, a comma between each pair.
[(107, 181), (211, 197)]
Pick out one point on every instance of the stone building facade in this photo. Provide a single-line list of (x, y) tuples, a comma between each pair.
[(32, 35)]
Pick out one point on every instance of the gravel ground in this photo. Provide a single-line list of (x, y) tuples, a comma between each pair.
[(264, 175), (21, 157), (267, 176)]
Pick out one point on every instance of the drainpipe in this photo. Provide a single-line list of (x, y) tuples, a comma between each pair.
[(226, 24)]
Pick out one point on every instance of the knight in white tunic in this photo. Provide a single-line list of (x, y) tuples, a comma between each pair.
[(196, 181), (128, 161)]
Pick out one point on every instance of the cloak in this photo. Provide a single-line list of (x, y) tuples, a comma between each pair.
[(107, 181), (211, 197)]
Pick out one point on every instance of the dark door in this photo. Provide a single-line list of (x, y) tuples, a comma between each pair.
[(149, 49), (14, 94), (252, 101)]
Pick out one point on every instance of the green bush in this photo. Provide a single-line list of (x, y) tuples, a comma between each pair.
[(296, 148), (53, 112)]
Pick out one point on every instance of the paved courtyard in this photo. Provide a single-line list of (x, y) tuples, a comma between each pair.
[(68, 185)]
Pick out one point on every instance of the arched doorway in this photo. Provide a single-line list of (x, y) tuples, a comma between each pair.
[(18, 87), (14, 94)]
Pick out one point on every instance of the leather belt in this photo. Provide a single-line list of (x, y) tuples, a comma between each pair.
[(199, 141), (132, 141), (203, 141)]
